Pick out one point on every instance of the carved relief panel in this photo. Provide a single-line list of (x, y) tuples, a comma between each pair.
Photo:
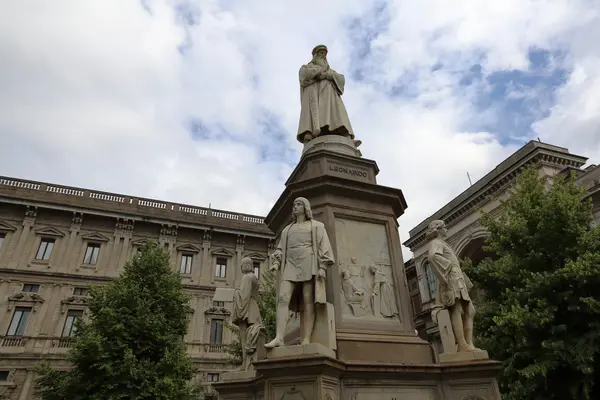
[(368, 289)]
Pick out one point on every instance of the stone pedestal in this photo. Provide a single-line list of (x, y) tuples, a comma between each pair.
[(378, 354)]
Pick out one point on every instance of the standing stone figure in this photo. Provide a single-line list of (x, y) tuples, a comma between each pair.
[(452, 286), (383, 294), (323, 111), (302, 257), (246, 314)]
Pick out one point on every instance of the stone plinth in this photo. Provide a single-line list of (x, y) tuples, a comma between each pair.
[(299, 350), (463, 356)]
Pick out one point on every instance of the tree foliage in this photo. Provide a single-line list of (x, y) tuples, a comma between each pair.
[(540, 296), (131, 347)]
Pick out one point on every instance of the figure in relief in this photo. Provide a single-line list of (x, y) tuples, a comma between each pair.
[(322, 109), (354, 296), (382, 295), (452, 288), (246, 314), (302, 256)]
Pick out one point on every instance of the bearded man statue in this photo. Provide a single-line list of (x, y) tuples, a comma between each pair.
[(322, 109)]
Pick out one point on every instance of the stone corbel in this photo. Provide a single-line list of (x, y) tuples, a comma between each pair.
[(73, 301), (220, 311), (32, 299)]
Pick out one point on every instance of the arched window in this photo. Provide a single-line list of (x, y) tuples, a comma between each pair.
[(431, 280)]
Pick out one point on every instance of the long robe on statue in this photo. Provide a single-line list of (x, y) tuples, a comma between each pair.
[(323, 110), (317, 254), (452, 282)]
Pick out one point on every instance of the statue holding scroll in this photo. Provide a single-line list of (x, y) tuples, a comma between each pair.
[(302, 257), (453, 286)]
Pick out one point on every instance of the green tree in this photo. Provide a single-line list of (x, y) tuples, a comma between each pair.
[(539, 303), (131, 347)]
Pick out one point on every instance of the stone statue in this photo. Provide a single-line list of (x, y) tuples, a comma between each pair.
[(246, 314), (354, 296), (323, 111), (452, 288), (382, 294), (302, 256)]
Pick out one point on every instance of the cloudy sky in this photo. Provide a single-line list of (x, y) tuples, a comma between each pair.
[(197, 101)]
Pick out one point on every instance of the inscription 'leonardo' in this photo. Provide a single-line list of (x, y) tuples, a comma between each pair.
[(349, 171)]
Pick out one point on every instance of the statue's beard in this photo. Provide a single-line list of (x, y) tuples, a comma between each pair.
[(321, 62)]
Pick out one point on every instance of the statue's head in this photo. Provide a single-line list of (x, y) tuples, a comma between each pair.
[(436, 228), (353, 260), (319, 54), (247, 265), (301, 206), (372, 268)]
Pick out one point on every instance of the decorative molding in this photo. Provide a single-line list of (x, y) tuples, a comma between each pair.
[(32, 299), (81, 301), (222, 252), (220, 311), (188, 248), (142, 242), (207, 236), (241, 240), (95, 237), (256, 256), (6, 227), (125, 224), (77, 218), (31, 212), (49, 231), (168, 230), (293, 394)]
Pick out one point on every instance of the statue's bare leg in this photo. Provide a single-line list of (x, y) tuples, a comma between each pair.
[(457, 325), (468, 316), (286, 288), (308, 291)]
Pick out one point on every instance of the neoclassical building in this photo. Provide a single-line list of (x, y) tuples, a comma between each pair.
[(56, 240), (462, 216)]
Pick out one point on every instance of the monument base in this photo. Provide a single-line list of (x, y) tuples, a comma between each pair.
[(320, 377), (300, 350), (463, 356)]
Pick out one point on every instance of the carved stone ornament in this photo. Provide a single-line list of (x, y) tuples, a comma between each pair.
[(124, 224), (218, 311), (72, 301), (77, 218), (293, 394), (168, 230), (31, 212), (33, 299)]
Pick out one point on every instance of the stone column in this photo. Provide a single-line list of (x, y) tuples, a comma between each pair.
[(168, 237), (239, 251), (26, 386), (28, 222), (206, 259), (67, 258), (125, 226)]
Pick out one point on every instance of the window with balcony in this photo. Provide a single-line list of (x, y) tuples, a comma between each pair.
[(221, 267), (212, 377), (91, 254), (45, 250), (81, 291), (19, 321), (31, 288), (216, 331), (256, 268), (69, 327), (185, 266)]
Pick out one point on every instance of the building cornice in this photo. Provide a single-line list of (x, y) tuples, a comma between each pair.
[(533, 153)]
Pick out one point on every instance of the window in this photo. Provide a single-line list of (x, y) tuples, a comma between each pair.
[(45, 249), (4, 376), (413, 285), (256, 268), (216, 331), (18, 324), (218, 303), (91, 254), (31, 288), (1, 239), (431, 280), (69, 328), (212, 377), (221, 268), (185, 267), (80, 291)]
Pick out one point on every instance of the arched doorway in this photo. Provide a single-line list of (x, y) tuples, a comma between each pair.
[(475, 251)]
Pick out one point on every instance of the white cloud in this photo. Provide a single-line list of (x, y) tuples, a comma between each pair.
[(97, 94)]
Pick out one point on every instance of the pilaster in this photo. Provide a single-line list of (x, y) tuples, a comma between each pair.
[(28, 222), (239, 253), (124, 228), (67, 258)]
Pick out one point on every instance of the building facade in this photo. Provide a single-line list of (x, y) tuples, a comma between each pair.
[(462, 217), (55, 241)]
